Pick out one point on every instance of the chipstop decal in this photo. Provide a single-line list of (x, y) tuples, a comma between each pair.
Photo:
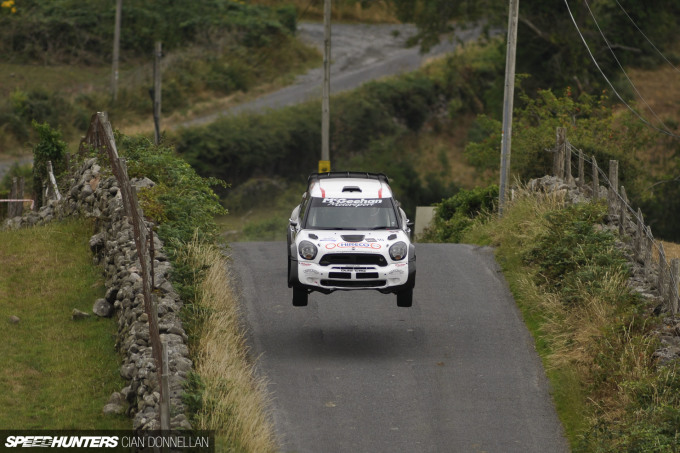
[(354, 245)]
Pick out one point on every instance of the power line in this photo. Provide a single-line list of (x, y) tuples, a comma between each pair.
[(648, 40), (618, 95), (623, 70)]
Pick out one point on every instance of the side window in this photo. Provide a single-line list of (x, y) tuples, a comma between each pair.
[(303, 207), (404, 219)]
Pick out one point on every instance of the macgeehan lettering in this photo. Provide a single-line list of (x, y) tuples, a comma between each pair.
[(352, 202)]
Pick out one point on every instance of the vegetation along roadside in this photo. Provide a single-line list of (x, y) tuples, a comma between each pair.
[(597, 337), (223, 394), (183, 206)]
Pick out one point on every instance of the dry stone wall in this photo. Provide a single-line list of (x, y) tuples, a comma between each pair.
[(644, 279), (93, 194)]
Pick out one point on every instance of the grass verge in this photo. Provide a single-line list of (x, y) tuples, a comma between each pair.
[(56, 373), (595, 337), (224, 393)]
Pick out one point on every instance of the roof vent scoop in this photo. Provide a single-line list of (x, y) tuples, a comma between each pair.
[(351, 189)]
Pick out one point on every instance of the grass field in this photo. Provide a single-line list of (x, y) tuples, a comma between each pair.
[(55, 373)]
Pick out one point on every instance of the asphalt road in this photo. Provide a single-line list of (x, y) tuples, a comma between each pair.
[(359, 53), (352, 372)]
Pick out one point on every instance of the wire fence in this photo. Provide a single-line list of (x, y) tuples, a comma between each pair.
[(647, 251)]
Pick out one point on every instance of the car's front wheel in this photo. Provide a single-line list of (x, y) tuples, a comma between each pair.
[(300, 296), (405, 297)]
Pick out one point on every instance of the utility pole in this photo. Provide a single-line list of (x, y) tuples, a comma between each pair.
[(116, 51), (325, 162), (158, 53), (508, 99)]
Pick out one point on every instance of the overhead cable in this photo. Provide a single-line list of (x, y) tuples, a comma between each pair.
[(623, 70), (618, 95), (648, 40)]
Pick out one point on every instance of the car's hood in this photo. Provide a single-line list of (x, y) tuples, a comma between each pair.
[(354, 240)]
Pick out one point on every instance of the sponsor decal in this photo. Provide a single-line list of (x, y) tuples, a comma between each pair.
[(304, 264), (312, 271), (401, 264), (352, 202), (354, 245), (396, 272)]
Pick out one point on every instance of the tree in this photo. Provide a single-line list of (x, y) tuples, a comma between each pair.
[(549, 46)]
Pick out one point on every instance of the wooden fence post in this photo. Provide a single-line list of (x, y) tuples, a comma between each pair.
[(613, 185), (596, 180), (581, 173), (623, 208), (13, 195), (53, 181), (662, 271), (46, 194), (639, 236), (558, 160), (100, 136), (648, 244), (673, 285), (20, 196), (568, 178)]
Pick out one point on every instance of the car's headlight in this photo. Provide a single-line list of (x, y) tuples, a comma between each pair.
[(398, 251), (307, 250)]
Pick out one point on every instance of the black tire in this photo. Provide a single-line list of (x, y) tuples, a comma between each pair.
[(300, 296), (405, 298)]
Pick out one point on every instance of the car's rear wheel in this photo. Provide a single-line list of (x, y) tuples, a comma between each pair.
[(300, 296), (405, 298)]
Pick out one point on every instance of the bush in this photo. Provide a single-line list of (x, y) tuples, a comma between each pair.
[(455, 215), (181, 203), (286, 143), (50, 148), (573, 250)]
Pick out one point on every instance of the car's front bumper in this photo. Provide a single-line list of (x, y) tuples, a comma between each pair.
[(389, 278)]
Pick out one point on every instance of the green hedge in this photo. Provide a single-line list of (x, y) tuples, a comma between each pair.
[(456, 214), (287, 142), (66, 31)]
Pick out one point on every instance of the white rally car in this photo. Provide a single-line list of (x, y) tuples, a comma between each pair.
[(349, 233)]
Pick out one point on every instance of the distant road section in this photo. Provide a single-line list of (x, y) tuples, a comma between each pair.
[(352, 372), (359, 53)]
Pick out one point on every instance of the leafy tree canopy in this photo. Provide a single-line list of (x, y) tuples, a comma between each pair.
[(549, 46)]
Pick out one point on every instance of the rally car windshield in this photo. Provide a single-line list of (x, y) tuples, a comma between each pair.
[(351, 214)]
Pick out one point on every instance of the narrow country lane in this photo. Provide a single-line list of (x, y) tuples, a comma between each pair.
[(352, 372)]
